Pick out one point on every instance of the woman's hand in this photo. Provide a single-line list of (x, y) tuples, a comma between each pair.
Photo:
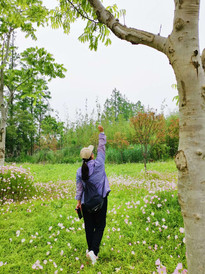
[(100, 128), (78, 204)]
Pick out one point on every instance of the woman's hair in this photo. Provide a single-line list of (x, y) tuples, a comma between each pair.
[(85, 169)]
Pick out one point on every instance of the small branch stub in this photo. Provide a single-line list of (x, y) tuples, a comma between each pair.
[(203, 92), (1, 134), (2, 153), (183, 94), (180, 3), (197, 216), (203, 59), (180, 161), (199, 152), (179, 24)]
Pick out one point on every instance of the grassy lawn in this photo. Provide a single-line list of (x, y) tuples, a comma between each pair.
[(63, 172), (144, 224)]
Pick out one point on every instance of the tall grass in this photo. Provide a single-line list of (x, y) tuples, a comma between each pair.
[(130, 155)]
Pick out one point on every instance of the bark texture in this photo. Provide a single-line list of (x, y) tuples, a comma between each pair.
[(182, 49), (2, 130), (203, 59), (3, 103)]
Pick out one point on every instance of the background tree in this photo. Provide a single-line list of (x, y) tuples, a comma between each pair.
[(120, 142), (13, 16), (52, 133), (118, 104), (149, 130), (33, 65), (32, 113)]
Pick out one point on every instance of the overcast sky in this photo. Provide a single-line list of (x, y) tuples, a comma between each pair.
[(138, 72)]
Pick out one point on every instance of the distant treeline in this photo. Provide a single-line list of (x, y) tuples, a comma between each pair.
[(134, 134)]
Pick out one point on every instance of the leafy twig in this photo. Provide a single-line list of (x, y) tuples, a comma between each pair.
[(81, 13)]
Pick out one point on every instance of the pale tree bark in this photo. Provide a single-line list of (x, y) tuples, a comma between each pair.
[(3, 104), (203, 59), (190, 160), (182, 49), (2, 140), (2, 126)]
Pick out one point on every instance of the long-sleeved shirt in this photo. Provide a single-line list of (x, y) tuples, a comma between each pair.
[(97, 173)]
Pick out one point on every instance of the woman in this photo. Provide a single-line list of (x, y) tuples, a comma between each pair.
[(93, 171)]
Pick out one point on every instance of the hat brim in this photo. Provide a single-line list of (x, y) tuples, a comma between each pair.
[(91, 147)]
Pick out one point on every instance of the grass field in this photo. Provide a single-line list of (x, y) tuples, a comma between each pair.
[(144, 225), (63, 172)]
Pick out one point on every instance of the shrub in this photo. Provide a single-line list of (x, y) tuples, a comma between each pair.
[(44, 156), (173, 144), (159, 152), (22, 158), (68, 155), (113, 155), (16, 183), (133, 154)]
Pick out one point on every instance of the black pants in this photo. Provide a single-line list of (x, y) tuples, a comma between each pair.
[(94, 226)]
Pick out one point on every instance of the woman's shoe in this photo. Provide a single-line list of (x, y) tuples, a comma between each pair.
[(92, 257)]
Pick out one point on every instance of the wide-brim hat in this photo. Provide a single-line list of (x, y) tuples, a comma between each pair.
[(86, 152)]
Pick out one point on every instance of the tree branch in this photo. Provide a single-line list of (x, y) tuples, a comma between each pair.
[(131, 35), (29, 77), (7, 46), (4, 58), (12, 90), (3, 62), (81, 13), (11, 96)]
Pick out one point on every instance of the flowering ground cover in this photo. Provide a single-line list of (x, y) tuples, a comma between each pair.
[(144, 232)]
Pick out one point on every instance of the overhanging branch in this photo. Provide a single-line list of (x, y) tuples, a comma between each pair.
[(131, 35)]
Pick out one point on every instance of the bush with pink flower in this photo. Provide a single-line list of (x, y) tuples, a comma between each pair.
[(16, 183)]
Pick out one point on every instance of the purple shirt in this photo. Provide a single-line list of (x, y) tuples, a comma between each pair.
[(97, 173)]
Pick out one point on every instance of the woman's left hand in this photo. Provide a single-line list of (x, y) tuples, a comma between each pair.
[(78, 204)]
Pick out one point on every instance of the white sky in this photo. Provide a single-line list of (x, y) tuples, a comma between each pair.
[(138, 72)]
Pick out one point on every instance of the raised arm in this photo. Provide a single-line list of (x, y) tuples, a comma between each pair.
[(101, 146), (102, 140)]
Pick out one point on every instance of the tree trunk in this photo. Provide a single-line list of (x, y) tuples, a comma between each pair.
[(145, 157), (143, 151), (3, 106), (145, 164), (185, 58), (2, 127), (2, 143)]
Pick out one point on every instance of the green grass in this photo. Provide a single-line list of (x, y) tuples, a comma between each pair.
[(63, 172), (143, 224)]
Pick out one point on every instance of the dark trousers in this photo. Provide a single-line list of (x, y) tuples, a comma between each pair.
[(94, 226)]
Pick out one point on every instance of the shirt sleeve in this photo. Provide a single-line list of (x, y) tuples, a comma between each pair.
[(101, 149), (79, 187)]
